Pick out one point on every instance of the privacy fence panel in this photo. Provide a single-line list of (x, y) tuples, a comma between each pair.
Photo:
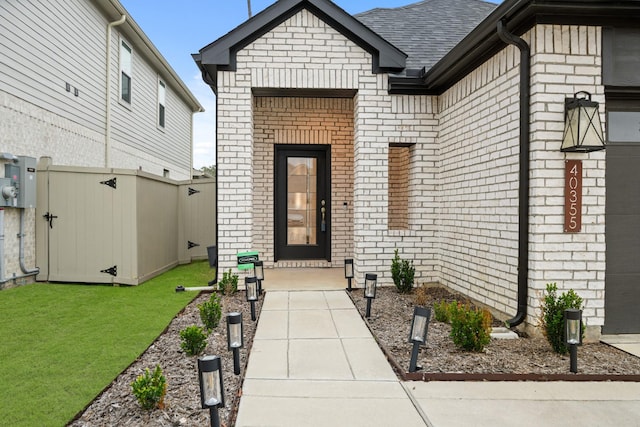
[(114, 225)]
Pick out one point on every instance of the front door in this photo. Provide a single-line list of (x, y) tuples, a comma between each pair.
[(302, 202)]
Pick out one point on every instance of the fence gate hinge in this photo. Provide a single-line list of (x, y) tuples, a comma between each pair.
[(193, 191), (191, 244), (111, 270), (110, 182)]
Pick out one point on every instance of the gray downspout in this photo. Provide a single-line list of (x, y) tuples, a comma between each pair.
[(24, 269), (2, 246), (523, 189)]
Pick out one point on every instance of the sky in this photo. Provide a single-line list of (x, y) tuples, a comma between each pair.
[(180, 28)]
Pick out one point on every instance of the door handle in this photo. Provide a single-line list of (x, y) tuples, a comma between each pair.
[(323, 211), (49, 217)]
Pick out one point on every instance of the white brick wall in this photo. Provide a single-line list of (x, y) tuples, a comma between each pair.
[(463, 223)]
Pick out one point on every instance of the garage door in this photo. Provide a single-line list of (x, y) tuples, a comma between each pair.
[(622, 280)]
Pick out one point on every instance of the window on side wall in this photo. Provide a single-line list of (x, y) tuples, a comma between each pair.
[(161, 103), (126, 71), (398, 188)]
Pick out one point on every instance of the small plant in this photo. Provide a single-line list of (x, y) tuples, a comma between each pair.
[(402, 272), (150, 389), (211, 312), (228, 285), (421, 295), (194, 340), (443, 310), (470, 328), (552, 317)]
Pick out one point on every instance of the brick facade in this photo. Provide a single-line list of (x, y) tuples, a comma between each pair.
[(459, 157)]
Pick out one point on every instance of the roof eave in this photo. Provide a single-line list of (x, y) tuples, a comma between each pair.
[(519, 16), (222, 52)]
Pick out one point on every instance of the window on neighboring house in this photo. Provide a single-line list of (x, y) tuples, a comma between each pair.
[(126, 68), (398, 193), (161, 102)]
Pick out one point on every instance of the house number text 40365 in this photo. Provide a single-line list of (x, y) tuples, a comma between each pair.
[(572, 196)]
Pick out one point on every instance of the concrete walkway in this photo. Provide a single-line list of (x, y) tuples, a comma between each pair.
[(315, 363)]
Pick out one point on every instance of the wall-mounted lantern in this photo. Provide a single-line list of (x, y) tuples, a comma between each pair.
[(582, 126), (348, 272)]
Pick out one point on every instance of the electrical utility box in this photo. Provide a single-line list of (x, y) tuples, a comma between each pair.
[(22, 176)]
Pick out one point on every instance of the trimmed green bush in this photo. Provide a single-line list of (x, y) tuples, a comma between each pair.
[(150, 389), (552, 318), (470, 328), (228, 285), (194, 340), (211, 312), (443, 310), (403, 273)]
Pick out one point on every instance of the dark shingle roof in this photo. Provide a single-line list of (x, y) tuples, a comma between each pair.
[(429, 29)]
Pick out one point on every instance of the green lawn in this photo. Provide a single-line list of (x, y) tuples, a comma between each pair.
[(60, 345)]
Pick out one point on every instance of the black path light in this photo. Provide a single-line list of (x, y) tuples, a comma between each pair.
[(573, 335), (582, 128), (258, 270), (370, 282), (211, 386), (348, 272), (251, 286), (418, 334), (235, 338)]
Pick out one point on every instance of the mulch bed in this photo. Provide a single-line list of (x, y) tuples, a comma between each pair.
[(525, 358)]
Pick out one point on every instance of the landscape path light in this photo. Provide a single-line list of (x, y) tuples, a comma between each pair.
[(258, 270), (370, 284), (418, 334), (211, 386), (573, 335), (251, 287), (348, 272), (235, 338)]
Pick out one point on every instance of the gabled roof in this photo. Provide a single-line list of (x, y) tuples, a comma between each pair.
[(221, 54), (429, 29)]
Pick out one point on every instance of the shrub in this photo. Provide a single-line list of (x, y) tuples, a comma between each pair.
[(443, 310), (470, 327), (552, 317), (402, 272), (150, 389), (211, 312), (194, 340), (228, 285)]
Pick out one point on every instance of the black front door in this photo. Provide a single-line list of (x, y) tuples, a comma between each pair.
[(302, 202)]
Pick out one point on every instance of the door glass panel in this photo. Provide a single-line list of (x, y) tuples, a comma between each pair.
[(301, 200)]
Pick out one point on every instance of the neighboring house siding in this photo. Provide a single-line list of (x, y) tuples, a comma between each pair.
[(52, 100), (37, 60)]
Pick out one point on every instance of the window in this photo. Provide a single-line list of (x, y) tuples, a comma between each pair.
[(398, 192), (126, 68), (161, 99)]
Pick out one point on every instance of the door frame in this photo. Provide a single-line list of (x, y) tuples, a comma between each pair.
[(280, 200)]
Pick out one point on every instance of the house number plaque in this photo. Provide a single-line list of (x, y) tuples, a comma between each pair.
[(572, 196)]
